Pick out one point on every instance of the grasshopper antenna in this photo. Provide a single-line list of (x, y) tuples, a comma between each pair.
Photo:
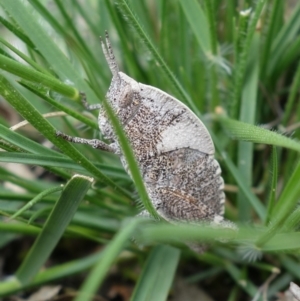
[(109, 55)]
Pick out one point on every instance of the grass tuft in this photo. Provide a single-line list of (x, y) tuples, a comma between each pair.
[(234, 63)]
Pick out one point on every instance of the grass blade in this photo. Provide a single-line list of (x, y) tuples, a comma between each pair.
[(157, 276), (110, 253), (34, 117), (46, 46), (251, 133), (248, 114), (198, 23), (125, 8), (273, 188), (37, 77), (54, 228)]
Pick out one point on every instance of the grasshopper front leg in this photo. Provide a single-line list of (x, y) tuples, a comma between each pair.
[(95, 143)]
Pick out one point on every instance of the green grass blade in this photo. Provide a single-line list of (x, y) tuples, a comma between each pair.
[(93, 124), (12, 286), (292, 222), (283, 39), (210, 12), (289, 197), (164, 233), (284, 207), (243, 55), (124, 7), (20, 228), (58, 161), (245, 189), (157, 275), (292, 265), (37, 77), (35, 118), (248, 114), (282, 242), (273, 188), (24, 143), (198, 23), (287, 59), (251, 133), (273, 28), (30, 185), (129, 56), (203, 28), (73, 29), (16, 31), (47, 16), (24, 16), (24, 57), (292, 97), (110, 254), (9, 287), (36, 199), (54, 228), (237, 274)]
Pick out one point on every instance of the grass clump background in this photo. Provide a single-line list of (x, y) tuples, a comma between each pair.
[(67, 211)]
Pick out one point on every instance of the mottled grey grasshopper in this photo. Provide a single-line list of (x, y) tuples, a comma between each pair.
[(173, 148)]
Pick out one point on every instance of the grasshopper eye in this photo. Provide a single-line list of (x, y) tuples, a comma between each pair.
[(126, 97)]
